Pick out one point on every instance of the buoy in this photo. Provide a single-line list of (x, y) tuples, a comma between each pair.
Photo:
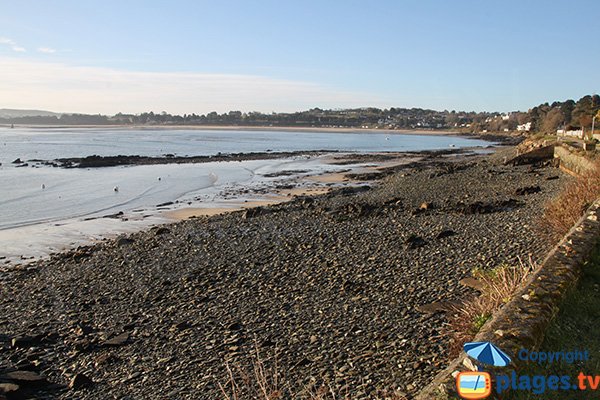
[(116, 188), (43, 186), (159, 178)]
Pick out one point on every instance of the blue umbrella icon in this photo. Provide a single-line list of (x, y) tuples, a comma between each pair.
[(487, 353)]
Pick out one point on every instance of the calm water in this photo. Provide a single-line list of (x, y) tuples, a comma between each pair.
[(34, 202), (56, 143)]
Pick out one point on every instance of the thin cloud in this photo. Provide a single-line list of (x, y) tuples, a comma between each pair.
[(66, 88), (11, 43), (46, 50)]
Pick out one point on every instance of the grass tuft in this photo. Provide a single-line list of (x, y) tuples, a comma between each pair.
[(498, 285)]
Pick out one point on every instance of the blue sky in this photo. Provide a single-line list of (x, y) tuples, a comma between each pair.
[(198, 56)]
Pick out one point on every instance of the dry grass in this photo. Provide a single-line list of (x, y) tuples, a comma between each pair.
[(564, 211), (498, 286), (264, 381)]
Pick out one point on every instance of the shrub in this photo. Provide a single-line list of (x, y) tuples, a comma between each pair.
[(564, 210)]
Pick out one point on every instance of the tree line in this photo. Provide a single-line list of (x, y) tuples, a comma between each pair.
[(546, 118)]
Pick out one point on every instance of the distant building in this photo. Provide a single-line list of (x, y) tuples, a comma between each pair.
[(525, 127), (573, 133)]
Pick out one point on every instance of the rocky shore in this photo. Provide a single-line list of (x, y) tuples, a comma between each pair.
[(96, 161), (326, 287)]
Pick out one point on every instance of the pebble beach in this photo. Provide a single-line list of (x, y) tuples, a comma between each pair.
[(325, 288)]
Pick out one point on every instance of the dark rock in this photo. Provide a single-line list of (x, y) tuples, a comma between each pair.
[(83, 345), (105, 358), (27, 378), (168, 203), (236, 326), (18, 161), (253, 212), (81, 253), (124, 241), (356, 209), (349, 191), (114, 216), (162, 231), (551, 178), (182, 326), (83, 330), (367, 176), (528, 190), (285, 186), (117, 340), (285, 173), (306, 201), (445, 233), (361, 209), (414, 241), (23, 342), (79, 381), (479, 207)]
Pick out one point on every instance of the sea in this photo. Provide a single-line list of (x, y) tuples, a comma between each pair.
[(45, 209)]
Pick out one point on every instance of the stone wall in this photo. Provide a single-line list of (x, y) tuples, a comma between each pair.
[(572, 162)]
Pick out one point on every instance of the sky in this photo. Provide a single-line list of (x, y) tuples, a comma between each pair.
[(180, 56)]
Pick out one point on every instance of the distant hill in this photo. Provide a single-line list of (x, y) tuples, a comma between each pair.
[(11, 113)]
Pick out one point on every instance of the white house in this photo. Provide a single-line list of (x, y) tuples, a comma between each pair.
[(525, 127)]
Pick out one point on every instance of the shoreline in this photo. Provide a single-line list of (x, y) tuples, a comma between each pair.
[(491, 136), (245, 128), (331, 285), (38, 241), (311, 185)]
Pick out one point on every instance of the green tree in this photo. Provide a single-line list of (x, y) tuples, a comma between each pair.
[(567, 109), (583, 111)]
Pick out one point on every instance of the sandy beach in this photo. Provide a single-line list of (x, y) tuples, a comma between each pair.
[(328, 285)]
